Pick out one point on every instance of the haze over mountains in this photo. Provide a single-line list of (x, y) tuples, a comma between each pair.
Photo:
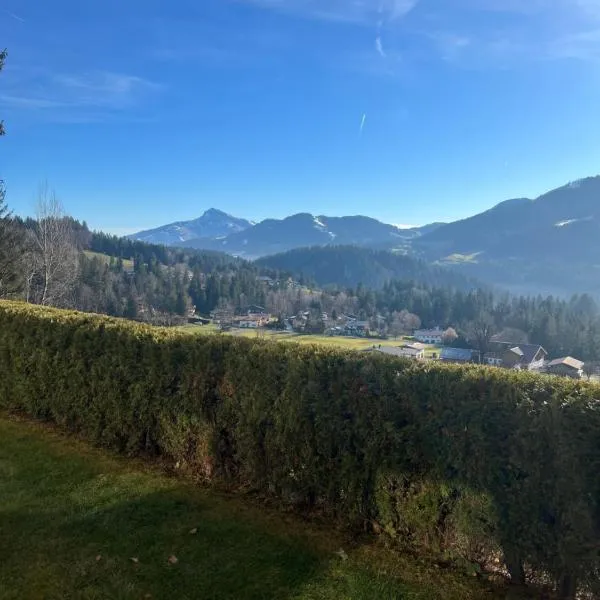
[(550, 244)]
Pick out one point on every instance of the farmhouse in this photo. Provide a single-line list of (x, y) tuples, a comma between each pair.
[(249, 324), (429, 336), (222, 317), (528, 357), (357, 328), (253, 320), (415, 346), (566, 367), (493, 359)]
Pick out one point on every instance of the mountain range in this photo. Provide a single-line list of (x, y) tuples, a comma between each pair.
[(550, 244), (216, 230)]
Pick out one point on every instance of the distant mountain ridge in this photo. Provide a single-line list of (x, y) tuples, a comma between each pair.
[(216, 230), (213, 224), (548, 245)]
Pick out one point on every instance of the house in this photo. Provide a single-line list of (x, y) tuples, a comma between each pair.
[(337, 330), (528, 357), (459, 355), (410, 352), (566, 367), (399, 352), (249, 324), (357, 328), (253, 309), (429, 336), (493, 359), (252, 320), (264, 279), (299, 321), (222, 317), (415, 346)]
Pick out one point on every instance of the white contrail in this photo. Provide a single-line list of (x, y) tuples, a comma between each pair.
[(362, 123), (12, 15)]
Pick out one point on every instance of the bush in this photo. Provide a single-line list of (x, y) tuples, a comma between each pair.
[(465, 462)]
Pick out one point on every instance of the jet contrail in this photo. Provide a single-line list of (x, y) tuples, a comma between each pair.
[(13, 16), (362, 123)]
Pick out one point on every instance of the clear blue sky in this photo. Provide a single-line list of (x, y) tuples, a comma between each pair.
[(140, 113)]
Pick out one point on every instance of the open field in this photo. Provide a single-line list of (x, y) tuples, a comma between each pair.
[(76, 522), (128, 264), (349, 343)]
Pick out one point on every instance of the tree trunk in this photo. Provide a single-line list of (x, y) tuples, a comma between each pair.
[(567, 587), (515, 567)]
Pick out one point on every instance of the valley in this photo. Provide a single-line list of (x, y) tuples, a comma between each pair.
[(546, 245)]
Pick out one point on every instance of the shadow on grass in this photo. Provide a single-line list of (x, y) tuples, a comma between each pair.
[(72, 518), (91, 554)]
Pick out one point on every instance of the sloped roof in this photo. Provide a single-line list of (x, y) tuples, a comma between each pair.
[(462, 354), (528, 352), (392, 351), (415, 346), (429, 332), (568, 361)]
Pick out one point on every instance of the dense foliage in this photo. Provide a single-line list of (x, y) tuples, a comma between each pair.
[(561, 326), (472, 463), (349, 266)]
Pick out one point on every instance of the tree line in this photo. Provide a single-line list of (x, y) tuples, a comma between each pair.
[(56, 260)]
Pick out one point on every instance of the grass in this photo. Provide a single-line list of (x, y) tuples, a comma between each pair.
[(127, 263), (72, 518), (348, 343)]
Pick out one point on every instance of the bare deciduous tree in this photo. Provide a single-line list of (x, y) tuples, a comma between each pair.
[(53, 262), (480, 332), (449, 336), (404, 322)]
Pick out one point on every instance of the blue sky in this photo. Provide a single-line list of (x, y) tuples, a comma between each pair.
[(141, 113)]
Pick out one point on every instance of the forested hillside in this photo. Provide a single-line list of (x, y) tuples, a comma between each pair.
[(57, 261), (349, 266)]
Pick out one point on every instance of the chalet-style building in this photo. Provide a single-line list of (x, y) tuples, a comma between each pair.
[(566, 367)]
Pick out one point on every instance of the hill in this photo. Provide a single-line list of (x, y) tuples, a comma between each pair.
[(348, 266), (549, 244)]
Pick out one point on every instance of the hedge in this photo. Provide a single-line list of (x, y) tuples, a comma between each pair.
[(474, 464)]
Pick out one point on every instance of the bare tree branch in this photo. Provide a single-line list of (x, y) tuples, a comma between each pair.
[(53, 265)]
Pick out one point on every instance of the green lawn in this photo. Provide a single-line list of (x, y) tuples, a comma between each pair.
[(127, 263), (283, 336), (76, 522)]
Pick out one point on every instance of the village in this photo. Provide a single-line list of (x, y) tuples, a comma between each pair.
[(421, 344)]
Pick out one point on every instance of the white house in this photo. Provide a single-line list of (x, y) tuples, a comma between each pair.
[(493, 359), (429, 336), (249, 324)]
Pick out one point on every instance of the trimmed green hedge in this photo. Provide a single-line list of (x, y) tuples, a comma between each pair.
[(474, 464)]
